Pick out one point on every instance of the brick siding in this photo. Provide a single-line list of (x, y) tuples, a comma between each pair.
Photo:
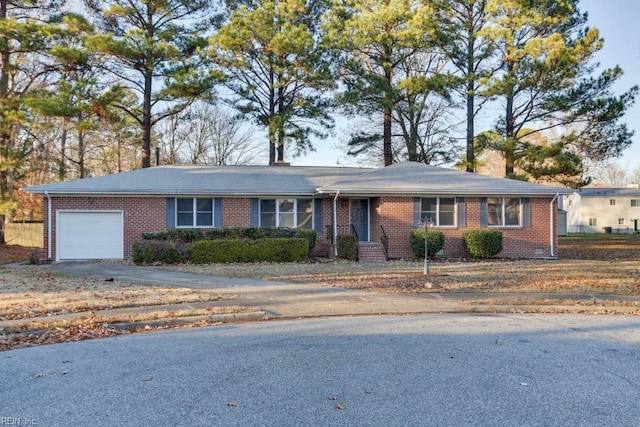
[(393, 214)]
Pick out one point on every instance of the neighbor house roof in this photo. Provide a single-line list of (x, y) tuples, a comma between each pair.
[(408, 178), (609, 192)]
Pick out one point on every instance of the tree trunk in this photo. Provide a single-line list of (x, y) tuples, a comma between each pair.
[(62, 166), (510, 143), (81, 171), (5, 136), (146, 121), (281, 123), (386, 124), (471, 82)]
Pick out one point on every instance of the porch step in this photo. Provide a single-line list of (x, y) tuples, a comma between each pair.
[(371, 252)]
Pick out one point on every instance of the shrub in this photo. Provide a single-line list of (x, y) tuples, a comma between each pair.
[(151, 251), (481, 243), (347, 246), (435, 240), (244, 250), (190, 235)]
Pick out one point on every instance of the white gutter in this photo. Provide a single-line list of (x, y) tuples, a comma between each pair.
[(551, 232), (335, 223), (46, 193)]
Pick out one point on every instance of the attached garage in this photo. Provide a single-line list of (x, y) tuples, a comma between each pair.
[(90, 235)]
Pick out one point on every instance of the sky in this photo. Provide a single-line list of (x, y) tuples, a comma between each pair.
[(617, 21)]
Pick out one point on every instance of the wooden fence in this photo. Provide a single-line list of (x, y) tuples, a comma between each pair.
[(24, 234)]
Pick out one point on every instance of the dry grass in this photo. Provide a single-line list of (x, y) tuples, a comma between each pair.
[(36, 291)]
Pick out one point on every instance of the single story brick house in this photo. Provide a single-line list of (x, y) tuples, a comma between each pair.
[(101, 217)]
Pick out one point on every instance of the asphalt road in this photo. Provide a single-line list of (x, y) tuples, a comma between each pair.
[(444, 370)]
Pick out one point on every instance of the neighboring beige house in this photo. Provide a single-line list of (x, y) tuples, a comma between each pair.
[(603, 210)]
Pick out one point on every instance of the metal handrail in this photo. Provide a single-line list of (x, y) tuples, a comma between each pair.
[(385, 242), (354, 232)]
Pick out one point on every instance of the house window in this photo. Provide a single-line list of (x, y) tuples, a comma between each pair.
[(194, 212), (635, 203), (441, 211), (504, 211), (593, 222), (612, 202), (620, 221), (292, 213)]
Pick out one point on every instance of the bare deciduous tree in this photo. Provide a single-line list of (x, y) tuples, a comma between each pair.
[(207, 135)]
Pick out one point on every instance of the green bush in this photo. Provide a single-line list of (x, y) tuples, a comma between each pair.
[(481, 243), (244, 250), (435, 240), (190, 235), (347, 245), (151, 251)]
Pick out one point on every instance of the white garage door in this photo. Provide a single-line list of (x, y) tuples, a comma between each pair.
[(90, 235)]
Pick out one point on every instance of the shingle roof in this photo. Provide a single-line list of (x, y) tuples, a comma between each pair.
[(206, 180), (412, 178), (400, 179)]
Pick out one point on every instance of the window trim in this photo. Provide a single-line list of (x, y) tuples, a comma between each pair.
[(436, 224), (503, 213), (194, 217), (295, 211), (635, 203)]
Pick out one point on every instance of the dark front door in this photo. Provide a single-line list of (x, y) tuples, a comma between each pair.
[(635, 225), (359, 218)]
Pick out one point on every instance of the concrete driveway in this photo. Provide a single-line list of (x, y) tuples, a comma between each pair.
[(444, 370)]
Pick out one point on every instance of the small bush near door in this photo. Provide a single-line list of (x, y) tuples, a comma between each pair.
[(481, 243), (435, 242), (347, 246)]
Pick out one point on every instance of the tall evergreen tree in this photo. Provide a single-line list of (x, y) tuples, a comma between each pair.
[(154, 47), (24, 34), (461, 25), (546, 83), (373, 39), (276, 70)]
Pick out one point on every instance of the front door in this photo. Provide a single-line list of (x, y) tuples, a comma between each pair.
[(635, 225), (359, 218)]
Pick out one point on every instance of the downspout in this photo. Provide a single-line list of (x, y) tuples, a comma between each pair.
[(335, 223), (46, 193), (551, 230)]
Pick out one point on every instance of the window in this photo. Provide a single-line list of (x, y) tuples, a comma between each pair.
[(440, 210), (504, 211), (635, 203), (593, 222), (612, 202), (194, 212), (293, 213), (620, 221)]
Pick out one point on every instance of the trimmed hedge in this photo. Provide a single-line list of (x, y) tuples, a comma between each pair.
[(347, 246), (481, 243), (435, 240), (244, 250), (152, 251), (190, 235)]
